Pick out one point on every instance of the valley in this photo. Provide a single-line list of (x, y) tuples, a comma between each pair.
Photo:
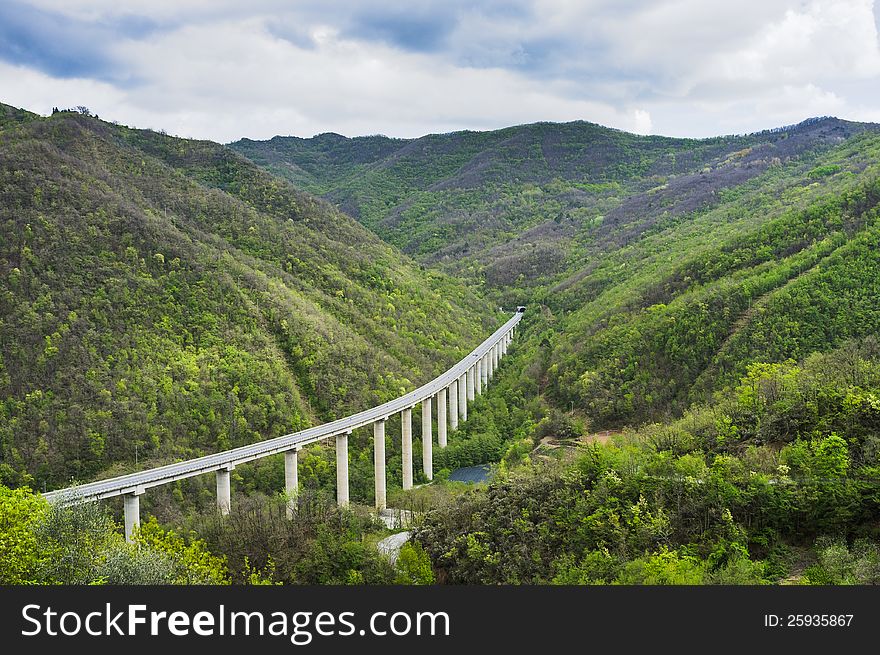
[(692, 397)]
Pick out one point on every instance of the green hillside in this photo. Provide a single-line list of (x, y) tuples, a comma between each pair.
[(513, 208), (781, 266), (775, 481), (663, 266), (162, 298), (451, 196)]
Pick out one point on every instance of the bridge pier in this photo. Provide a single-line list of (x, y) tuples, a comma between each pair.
[(342, 469), (427, 440), (470, 382), (406, 447), (478, 377), (224, 490), (291, 479), (379, 463), (441, 418), (453, 405), (132, 507), (484, 371), (462, 397), (496, 349)]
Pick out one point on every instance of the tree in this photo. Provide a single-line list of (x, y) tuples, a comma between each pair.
[(413, 565), (22, 554)]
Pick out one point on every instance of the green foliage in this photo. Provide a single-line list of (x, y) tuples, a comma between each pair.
[(824, 171), (462, 193), (323, 544), (663, 568), (711, 498), (757, 279), (80, 544), (838, 564), (164, 298), (80, 540), (21, 553), (413, 566), (194, 564), (666, 266), (168, 299)]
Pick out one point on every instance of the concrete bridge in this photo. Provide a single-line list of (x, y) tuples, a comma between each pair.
[(449, 392)]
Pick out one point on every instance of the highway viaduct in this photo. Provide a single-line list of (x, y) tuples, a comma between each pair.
[(448, 395)]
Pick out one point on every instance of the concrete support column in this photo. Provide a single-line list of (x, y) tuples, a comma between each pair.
[(470, 382), (427, 440), (291, 479), (484, 371), (342, 469), (441, 418), (453, 405), (379, 463), (478, 377), (496, 355), (132, 505), (406, 447), (462, 397), (224, 490)]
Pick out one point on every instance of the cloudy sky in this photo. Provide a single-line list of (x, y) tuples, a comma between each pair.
[(223, 69)]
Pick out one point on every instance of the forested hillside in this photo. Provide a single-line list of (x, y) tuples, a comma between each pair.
[(516, 207), (451, 198), (781, 267), (162, 298), (777, 480), (663, 266)]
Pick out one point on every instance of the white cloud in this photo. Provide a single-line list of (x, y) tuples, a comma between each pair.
[(234, 79), (642, 123), (819, 42), (219, 69)]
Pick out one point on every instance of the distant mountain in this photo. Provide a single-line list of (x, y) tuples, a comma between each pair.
[(162, 297), (664, 266), (511, 206)]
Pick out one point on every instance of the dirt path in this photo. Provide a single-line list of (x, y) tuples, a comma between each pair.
[(599, 437)]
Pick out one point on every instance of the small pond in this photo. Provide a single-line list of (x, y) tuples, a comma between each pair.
[(472, 474)]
